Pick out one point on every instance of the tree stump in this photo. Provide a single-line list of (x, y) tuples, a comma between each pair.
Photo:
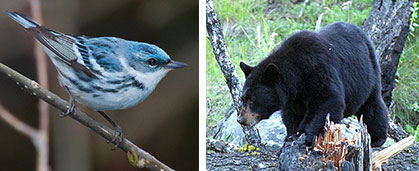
[(331, 151)]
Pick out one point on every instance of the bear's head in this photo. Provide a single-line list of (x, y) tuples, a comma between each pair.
[(261, 95)]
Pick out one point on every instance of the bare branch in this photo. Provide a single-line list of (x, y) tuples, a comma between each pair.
[(147, 160), (17, 124), (302, 9), (381, 157), (319, 20)]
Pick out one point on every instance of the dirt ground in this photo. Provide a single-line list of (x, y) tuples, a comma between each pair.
[(241, 161), (408, 159)]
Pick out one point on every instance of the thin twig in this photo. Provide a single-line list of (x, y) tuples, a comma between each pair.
[(302, 9), (319, 21), (145, 159), (43, 108)]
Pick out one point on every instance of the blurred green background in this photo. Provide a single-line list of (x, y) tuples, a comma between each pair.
[(165, 124), (253, 28)]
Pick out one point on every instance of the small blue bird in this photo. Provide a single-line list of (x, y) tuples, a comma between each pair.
[(103, 73)]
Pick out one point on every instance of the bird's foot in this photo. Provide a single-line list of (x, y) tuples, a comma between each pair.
[(118, 138), (69, 111)]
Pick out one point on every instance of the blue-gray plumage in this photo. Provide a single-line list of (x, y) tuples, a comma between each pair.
[(103, 73), (120, 73)]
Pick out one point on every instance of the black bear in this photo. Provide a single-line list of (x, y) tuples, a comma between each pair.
[(331, 71)]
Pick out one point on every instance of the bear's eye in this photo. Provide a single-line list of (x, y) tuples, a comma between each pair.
[(246, 98), (152, 61), (251, 102)]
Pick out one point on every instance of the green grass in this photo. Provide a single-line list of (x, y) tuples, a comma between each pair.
[(253, 28), (406, 92)]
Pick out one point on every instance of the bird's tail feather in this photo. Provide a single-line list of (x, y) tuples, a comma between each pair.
[(23, 20)]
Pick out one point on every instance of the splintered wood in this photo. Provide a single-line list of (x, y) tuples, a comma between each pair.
[(335, 147), (357, 150)]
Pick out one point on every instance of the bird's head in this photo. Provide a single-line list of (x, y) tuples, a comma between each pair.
[(148, 58)]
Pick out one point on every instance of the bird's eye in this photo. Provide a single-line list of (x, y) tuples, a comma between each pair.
[(152, 61)]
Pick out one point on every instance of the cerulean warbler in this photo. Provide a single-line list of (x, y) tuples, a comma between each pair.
[(103, 73)]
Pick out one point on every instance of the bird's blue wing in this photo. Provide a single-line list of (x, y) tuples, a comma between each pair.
[(103, 53), (63, 46)]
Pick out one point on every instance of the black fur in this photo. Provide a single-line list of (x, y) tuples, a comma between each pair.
[(333, 70)]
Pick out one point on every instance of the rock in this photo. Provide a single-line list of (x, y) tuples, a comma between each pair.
[(229, 129), (272, 131)]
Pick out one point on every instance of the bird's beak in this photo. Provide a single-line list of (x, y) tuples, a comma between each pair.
[(175, 65)]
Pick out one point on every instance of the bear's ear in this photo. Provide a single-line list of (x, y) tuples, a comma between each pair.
[(246, 69), (271, 73)]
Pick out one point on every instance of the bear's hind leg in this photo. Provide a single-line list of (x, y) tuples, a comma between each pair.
[(374, 113)]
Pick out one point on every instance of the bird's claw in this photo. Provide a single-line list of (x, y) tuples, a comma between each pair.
[(69, 111), (117, 141)]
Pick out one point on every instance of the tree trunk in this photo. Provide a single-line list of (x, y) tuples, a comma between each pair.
[(388, 27), (219, 48)]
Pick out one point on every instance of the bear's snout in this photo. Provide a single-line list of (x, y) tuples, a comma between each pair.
[(247, 117), (240, 118)]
